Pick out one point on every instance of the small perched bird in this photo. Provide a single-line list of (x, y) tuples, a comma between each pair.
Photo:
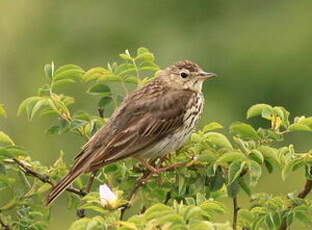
[(152, 121)]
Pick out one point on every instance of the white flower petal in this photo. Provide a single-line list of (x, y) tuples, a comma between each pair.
[(106, 195)]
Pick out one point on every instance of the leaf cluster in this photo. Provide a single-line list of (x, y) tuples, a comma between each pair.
[(218, 163)]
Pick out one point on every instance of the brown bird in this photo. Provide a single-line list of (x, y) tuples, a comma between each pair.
[(152, 121)]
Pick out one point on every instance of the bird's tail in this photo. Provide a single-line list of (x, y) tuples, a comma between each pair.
[(62, 185)]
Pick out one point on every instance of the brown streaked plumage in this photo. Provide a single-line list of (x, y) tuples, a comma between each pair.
[(152, 121)]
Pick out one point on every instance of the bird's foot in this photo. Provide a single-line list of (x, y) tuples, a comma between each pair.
[(158, 169)]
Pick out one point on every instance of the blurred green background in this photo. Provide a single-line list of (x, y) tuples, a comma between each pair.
[(261, 50)]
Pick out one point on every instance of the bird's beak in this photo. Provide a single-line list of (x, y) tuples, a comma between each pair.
[(205, 75)]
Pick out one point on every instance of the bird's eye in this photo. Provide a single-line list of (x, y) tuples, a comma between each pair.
[(183, 74)]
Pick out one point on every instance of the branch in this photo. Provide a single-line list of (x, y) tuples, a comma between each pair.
[(3, 225), (235, 212), (306, 190), (44, 178)]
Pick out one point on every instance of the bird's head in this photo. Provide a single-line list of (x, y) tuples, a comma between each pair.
[(185, 75)]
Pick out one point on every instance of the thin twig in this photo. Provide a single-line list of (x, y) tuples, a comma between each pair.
[(82, 212), (306, 190), (235, 212), (44, 178), (4, 225)]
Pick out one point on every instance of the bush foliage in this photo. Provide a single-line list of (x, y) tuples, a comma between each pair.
[(217, 163)]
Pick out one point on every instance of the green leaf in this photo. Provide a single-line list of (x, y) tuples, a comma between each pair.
[(217, 180), (5, 139), (191, 212), (244, 186), (4, 153), (303, 218), (132, 80), (276, 219), (145, 57), (212, 126), (231, 156), (101, 74), (269, 222), (233, 189), (235, 169), (283, 114), (256, 223), (44, 188), (96, 222), (218, 139), (244, 131), (213, 206), (27, 102), (2, 111), (307, 121), (104, 101), (124, 69), (257, 110), (126, 57), (303, 124), (49, 70), (150, 66), (95, 208), (72, 72), (270, 155), (76, 123), (299, 127), (267, 113), (156, 211), (142, 50), (190, 201), (62, 82), (255, 172), (67, 67), (15, 150), (36, 107), (100, 90), (256, 155)]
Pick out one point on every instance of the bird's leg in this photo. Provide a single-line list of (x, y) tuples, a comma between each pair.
[(174, 165), (157, 169), (169, 167), (149, 166)]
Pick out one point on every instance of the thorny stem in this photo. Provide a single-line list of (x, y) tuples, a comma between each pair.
[(306, 190), (4, 225), (235, 212), (44, 178)]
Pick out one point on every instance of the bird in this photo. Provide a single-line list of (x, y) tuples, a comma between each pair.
[(151, 122)]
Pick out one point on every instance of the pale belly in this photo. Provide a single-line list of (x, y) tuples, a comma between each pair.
[(166, 145), (175, 140)]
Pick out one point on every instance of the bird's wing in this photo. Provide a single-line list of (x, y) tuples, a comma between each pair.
[(142, 120)]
